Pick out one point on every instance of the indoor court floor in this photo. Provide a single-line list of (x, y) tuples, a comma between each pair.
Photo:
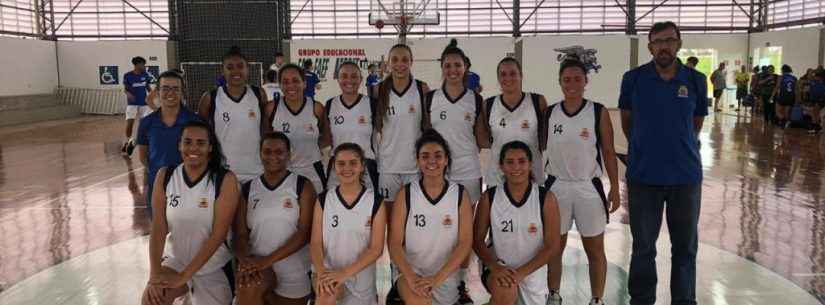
[(73, 224)]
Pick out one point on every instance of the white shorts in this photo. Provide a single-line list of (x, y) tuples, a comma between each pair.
[(532, 290), (314, 173), (473, 187), (389, 184), (292, 285), (583, 202), (447, 293), (206, 289), (137, 111)]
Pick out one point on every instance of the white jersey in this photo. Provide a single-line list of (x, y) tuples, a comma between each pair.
[(237, 124), (351, 123), (271, 90), (347, 231), (402, 127), (431, 232), (455, 120), (573, 144), (272, 216), (190, 214), (302, 129), (520, 123)]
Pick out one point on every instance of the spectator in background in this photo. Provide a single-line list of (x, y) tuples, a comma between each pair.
[(742, 84), (785, 96), (719, 81), (271, 86), (757, 102), (816, 99), (279, 62), (766, 89), (803, 86), (692, 62), (312, 81), (472, 80), (136, 87), (373, 78)]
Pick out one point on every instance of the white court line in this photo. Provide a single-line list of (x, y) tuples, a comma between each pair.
[(40, 205), (808, 274)]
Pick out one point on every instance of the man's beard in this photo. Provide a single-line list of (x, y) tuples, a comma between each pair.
[(664, 59)]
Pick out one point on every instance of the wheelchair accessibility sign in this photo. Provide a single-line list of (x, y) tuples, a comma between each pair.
[(108, 75)]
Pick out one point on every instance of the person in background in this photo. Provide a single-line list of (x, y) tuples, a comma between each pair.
[(719, 81), (312, 81), (473, 81), (373, 78), (136, 86), (816, 98), (692, 62), (757, 104), (767, 89), (785, 96), (279, 62), (271, 85), (742, 84)]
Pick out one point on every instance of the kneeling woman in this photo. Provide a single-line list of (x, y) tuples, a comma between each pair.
[(272, 230), (194, 204), (347, 234), (431, 228), (523, 221)]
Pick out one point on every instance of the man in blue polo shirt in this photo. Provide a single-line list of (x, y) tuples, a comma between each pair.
[(663, 106), (311, 79), (160, 131)]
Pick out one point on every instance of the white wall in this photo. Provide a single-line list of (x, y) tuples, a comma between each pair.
[(29, 67), (541, 68), (79, 61), (800, 47)]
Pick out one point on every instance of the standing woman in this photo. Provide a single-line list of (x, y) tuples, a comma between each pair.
[(398, 118), (194, 204), (579, 149), (299, 118), (431, 228), (159, 132), (347, 234), (513, 115), (522, 220), (349, 119), (272, 231), (453, 111), (235, 111)]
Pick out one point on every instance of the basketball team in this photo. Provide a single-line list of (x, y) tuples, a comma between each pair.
[(245, 211)]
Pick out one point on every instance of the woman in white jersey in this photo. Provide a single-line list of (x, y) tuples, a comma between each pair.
[(398, 118), (272, 231), (349, 119), (431, 228), (271, 85), (194, 204), (299, 118), (522, 220), (513, 115), (579, 148), (454, 111), (347, 234), (235, 112)]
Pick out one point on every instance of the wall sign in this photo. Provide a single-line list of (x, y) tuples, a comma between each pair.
[(108, 75)]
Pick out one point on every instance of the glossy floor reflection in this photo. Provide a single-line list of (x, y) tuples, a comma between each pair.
[(67, 196)]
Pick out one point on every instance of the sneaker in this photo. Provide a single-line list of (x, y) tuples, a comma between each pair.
[(596, 301), (393, 297), (554, 298), (463, 296), (124, 147), (787, 124), (130, 148)]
